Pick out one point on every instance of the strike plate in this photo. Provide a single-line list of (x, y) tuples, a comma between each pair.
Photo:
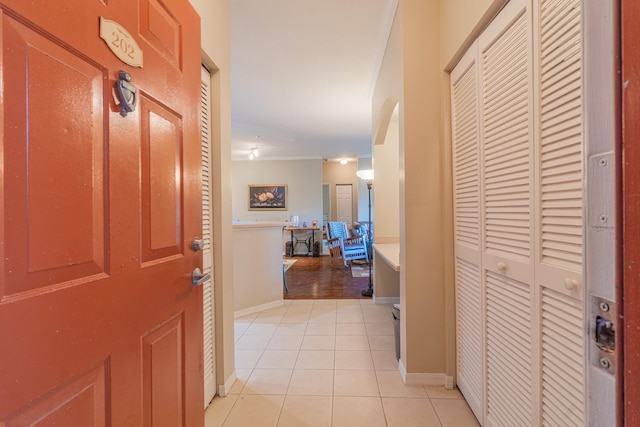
[(603, 344)]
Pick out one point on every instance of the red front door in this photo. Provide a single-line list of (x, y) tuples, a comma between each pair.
[(99, 322), (629, 402)]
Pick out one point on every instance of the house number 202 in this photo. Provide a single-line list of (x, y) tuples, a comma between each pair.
[(120, 42)]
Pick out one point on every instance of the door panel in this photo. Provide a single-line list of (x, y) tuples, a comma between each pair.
[(163, 374), (44, 250), (161, 30), (162, 226), (100, 324), (80, 402)]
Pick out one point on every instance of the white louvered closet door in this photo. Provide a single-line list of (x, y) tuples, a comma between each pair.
[(506, 93), (466, 169), (207, 255), (527, 280), (559, 145)]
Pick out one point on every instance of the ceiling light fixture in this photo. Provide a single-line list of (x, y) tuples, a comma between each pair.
[(253, 153), (344, 161)]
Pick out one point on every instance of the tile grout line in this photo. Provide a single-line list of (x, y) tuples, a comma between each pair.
[(280, 323)]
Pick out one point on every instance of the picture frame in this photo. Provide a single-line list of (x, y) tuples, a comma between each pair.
[(268, 197)]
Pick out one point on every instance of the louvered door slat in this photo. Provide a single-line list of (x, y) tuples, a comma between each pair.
[(562, 359), (562, 180), (555, 381), (508, 351), (559, 150), (506, 149), (464, 94), (498, 121), (567, 104), (557, 18), (505, 99), (560, 82), (469, 332), (560, 137)]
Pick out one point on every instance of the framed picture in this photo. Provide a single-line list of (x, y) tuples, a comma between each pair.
[(268, 197)]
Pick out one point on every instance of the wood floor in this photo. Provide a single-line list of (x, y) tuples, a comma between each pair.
[(316, 278)]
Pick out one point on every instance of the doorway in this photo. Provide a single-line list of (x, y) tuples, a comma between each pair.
[(344, 203)]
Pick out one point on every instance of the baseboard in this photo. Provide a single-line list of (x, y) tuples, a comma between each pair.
[(224, 389), (385, 300), (403, 371), (448, 382), (423, 378), (257, 308)]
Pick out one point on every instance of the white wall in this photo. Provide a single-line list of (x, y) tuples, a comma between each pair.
[(257, 275), (386, 153), (460, 27), (425, 36), (304, 181)]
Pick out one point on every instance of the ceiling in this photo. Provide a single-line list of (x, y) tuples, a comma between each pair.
[(302, 76)]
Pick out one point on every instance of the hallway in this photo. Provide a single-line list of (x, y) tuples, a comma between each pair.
[(312, 278), (327, 363)]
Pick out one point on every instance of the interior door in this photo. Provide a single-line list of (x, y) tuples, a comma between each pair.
[(99, 321), (344, 203), (208, 301), (506, 153), (468, 236)]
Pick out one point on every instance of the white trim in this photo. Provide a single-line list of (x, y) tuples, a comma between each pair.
[(224, 389), (448, 382), (491, 12), (386, 300), (257, 308), (424, 378), (600, 88)]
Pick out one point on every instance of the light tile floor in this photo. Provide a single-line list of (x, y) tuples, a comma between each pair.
[(327, 363)]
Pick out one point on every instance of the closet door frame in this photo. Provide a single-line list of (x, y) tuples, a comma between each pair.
[(601, 38)]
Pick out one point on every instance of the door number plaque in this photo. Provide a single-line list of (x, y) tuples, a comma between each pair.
[(121, 43)]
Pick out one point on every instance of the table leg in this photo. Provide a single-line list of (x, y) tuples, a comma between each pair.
[(293, 248), (313, 241)]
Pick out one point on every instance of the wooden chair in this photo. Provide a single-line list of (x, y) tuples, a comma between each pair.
[(342, 246)]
